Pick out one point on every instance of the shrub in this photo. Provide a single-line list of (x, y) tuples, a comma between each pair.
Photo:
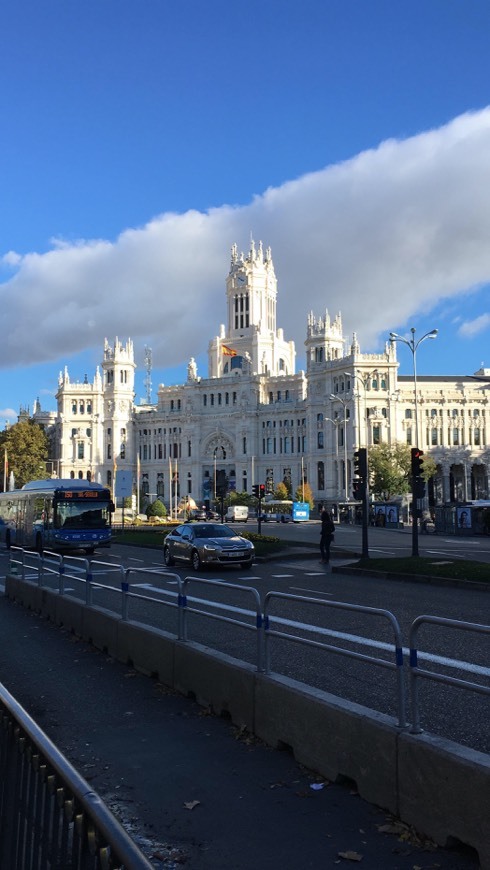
[(156, 509)]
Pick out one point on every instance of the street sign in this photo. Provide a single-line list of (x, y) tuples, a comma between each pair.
[(124, 484), (301, 511)]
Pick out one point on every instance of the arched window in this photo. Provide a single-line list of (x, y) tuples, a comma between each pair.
[(320, 442)]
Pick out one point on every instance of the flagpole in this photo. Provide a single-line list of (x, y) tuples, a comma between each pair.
[(138, 479), (5, 469), (171, 498), (176, 490)]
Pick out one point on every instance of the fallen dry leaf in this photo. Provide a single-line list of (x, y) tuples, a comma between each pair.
[(350, 856), (189, 805)]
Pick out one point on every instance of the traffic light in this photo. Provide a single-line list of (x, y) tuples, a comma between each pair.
[(221, 483), (417, 462), (357, 489), (360, 464), (261, 490), (418, 482), (256, 490), (419, 487)]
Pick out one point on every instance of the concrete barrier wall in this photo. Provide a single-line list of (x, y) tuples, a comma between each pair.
[(334, 737), (439, 787)]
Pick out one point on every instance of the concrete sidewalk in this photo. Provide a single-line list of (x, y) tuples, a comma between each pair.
[(192, 790)]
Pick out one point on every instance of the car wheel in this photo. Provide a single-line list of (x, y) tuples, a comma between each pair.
[(167, 558), (195, 560)]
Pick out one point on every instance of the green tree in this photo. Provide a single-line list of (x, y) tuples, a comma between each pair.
[(390, 469), (27, 451), (304, 493)]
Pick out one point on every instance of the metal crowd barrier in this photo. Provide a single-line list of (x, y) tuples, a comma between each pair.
[(263, 620), (397, 665), (49, 816), (249, 590), (416, 673)]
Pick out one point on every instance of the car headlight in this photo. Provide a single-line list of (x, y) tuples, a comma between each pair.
[(211, 549)]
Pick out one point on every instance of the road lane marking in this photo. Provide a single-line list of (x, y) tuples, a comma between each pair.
[(461, 665)]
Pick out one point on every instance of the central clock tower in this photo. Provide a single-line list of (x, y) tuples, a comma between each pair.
[(251, 343)]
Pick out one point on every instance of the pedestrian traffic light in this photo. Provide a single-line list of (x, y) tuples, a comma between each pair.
[(357, 489), (418, 487), (360, 464), (417, 462), (221, 483)]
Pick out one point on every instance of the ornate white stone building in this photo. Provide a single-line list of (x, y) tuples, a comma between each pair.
[(258, 420)]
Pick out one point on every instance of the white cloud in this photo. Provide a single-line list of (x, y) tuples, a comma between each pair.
[(390, 233), (11, 259), (474, 327), (8, 415)]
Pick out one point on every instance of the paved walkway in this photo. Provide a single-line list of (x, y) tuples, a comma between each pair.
[(193, 791)]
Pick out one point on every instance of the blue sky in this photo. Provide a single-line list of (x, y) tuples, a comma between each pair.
[(139, 139)]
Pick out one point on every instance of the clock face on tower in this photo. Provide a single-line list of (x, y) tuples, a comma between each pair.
[(240, 279)]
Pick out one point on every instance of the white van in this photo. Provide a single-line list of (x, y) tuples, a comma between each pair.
[(237, 513)]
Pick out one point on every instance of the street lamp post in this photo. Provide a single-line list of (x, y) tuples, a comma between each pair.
[(344, 405), (363, 379), (413, 345)]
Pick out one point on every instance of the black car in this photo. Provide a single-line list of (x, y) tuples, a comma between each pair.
[(198, 514)]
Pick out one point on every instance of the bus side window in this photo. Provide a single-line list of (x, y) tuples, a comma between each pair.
[(39, 511)]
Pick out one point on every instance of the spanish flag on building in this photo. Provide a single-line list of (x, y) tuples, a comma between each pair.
[(228, 351)]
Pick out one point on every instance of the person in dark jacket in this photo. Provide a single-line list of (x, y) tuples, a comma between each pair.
[(327, 533)]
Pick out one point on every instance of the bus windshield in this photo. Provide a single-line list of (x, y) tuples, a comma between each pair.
[(79, 514)]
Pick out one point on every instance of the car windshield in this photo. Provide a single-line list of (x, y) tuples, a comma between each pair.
[(213, 530)]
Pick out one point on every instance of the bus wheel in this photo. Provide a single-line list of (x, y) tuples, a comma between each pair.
[(39, 544), (90, 551)]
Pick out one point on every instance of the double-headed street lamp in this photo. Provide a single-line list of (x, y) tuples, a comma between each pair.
[(363, 378), (413, 345), (344, 404)]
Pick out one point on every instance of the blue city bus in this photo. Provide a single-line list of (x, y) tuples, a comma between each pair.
[(57, 515)]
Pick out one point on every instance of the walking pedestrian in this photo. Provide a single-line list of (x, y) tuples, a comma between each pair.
[(326, 536)]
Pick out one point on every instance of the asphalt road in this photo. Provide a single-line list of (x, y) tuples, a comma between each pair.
[(382, 542)]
